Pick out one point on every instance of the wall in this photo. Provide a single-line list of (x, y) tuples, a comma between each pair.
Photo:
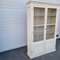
[(13, 24)]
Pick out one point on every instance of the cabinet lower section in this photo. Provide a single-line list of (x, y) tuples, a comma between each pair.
[(42, 47)]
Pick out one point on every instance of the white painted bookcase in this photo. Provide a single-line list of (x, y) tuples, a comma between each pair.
[(41, 28)]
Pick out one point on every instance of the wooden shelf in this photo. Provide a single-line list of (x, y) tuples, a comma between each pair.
[(51, 15), (51, 24), (42, 25), (38, 25), (39, 16), (50, 33)]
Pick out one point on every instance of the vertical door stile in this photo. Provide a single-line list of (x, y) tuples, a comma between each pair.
[(32, 25), (56, 22), (45, 26), (57, 13), (33, 22)]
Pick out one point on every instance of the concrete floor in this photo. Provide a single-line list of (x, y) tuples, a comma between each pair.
[(20, 54)]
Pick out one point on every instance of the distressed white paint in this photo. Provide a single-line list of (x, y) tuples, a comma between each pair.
[(48, 1), (13, 24), (38, 48)]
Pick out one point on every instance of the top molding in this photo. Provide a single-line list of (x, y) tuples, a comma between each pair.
[(36, 2)]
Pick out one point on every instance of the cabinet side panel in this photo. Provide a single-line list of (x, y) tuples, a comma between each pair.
[(29, 30)]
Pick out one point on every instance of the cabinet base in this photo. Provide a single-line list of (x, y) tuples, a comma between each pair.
[(33, 55)]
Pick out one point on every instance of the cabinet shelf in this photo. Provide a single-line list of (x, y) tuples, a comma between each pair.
[(51, 24), (38, 25), (39, 16), (50, 33), (43, 25), (51, 15)]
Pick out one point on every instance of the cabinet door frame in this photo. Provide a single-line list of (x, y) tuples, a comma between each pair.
[(45, 26), (33, 22), (49, 25), (57, 13)]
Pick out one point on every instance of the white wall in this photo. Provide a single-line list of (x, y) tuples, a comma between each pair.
[(13, 24)]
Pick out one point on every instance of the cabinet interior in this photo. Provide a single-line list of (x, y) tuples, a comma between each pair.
[(38, 33), (39, 21), (39, 16), (50, 31), (51, 17), (39, 11), (51, 21)]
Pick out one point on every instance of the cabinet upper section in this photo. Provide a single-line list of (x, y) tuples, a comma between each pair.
[(47, 1), (33, 3)]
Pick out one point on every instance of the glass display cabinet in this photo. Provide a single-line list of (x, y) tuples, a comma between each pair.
[(41, 28)]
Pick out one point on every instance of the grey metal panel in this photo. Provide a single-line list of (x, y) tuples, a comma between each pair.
[(12, 24)]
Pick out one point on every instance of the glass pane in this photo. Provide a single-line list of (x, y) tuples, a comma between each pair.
[(38, 20), (38, 33), (50, 31), (39, 16), (51, 19), (51, 12), (39, 11)]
